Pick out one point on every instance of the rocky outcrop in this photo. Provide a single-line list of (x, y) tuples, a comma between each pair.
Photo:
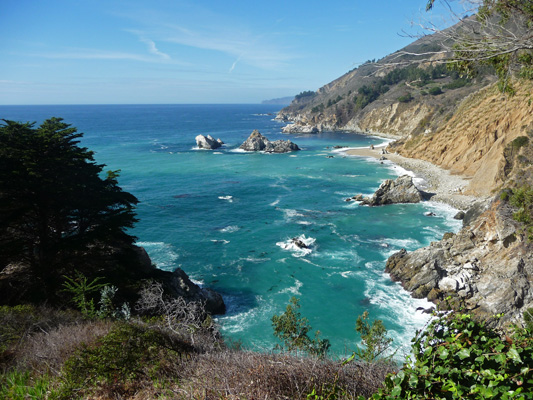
[(401, 190), (487, 266), (257, 142), (20, 284), (208, 142), (298, 128), (178, 284)]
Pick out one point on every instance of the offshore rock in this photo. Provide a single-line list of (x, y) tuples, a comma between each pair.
[(257, 142), (401, 190), (208, 142), (487, 266)]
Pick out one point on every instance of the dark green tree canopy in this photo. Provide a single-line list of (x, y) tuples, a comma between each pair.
[(54, 204)]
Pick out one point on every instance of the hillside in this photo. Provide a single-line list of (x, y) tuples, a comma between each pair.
[(474, 141), (401, 94)]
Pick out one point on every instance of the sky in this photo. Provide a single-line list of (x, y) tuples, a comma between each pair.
[(203, 51)]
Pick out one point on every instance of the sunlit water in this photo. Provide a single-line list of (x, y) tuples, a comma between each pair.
[(225, 216)]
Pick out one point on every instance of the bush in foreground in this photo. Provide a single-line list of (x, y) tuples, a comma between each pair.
[(456, 357)]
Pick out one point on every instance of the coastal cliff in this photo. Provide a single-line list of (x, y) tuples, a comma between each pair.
[(467, 127), (475, 141), (487, 266)]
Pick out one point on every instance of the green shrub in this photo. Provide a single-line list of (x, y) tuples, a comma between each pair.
[(435, 90), (528, 319), (125, 355), (15, 385), (374, 337), (456, 84), (456, 357), (406, 98), (519, 142), (522, 199), (292, 329)]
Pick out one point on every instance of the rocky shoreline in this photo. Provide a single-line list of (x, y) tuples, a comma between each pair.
[(442, 186), (486, 267)]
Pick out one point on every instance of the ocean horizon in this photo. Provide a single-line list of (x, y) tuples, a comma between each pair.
[(226, 217)]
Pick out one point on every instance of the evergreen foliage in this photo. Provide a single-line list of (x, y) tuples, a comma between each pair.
[(54, 205), (304, 95)]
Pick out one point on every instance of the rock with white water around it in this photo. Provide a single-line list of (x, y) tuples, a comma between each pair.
[(300, 245), (257, 142), (208, 142), (487, 267), (401, 190)]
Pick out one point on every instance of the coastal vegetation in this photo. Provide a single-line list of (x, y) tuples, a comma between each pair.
[(81, 325), (59, 214)]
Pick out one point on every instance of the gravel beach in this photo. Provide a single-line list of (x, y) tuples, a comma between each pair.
[(445, 187)]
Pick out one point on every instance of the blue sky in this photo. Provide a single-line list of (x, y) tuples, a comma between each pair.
[(174, 51)]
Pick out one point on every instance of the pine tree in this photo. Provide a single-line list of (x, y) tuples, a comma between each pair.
[(55, 205)]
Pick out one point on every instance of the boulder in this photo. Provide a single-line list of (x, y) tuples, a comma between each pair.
[(257, 142), (207, 142), (401, 190), (460, 215)]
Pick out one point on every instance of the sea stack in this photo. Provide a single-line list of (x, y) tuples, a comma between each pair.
[(257, 142), (208, 142)]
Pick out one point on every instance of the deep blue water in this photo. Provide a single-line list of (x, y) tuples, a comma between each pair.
[(224, 216)]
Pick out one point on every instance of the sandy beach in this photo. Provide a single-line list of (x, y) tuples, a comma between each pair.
[(445, 186)]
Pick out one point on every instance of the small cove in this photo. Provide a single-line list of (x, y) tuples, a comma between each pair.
[(220, 215)]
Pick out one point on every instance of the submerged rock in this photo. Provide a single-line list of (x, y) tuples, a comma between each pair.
[(208, 142), (401, 190), (257, 142)]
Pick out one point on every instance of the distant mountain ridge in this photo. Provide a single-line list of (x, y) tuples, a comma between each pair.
[(282, 101)]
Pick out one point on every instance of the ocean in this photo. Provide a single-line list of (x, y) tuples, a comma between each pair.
[(226, 217)]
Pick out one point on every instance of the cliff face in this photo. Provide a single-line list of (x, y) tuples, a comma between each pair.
[(467, 127), (401, 94), (473, 142), (487, 266)]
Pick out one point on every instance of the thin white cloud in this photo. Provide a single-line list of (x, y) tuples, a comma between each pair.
[(234, 65), (252, 50), (213, 32), (152, 49), (155, 55)]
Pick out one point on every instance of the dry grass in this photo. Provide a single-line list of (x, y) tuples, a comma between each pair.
[(170, 361), (247, 375), (45, 352)]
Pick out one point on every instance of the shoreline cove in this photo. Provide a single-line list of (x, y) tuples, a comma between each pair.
[(187, 219), (444, 187)]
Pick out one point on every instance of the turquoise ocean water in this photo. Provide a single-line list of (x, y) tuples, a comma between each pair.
[(225, 216)]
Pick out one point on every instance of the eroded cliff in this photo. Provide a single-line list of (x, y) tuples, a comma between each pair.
[(474, 140)]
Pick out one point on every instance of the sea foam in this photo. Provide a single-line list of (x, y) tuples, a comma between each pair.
[(298, 251)]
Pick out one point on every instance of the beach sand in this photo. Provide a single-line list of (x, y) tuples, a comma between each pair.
[(445, 187)]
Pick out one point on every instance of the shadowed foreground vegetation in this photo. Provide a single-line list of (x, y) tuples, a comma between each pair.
[(47, 353), (54, 354)]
